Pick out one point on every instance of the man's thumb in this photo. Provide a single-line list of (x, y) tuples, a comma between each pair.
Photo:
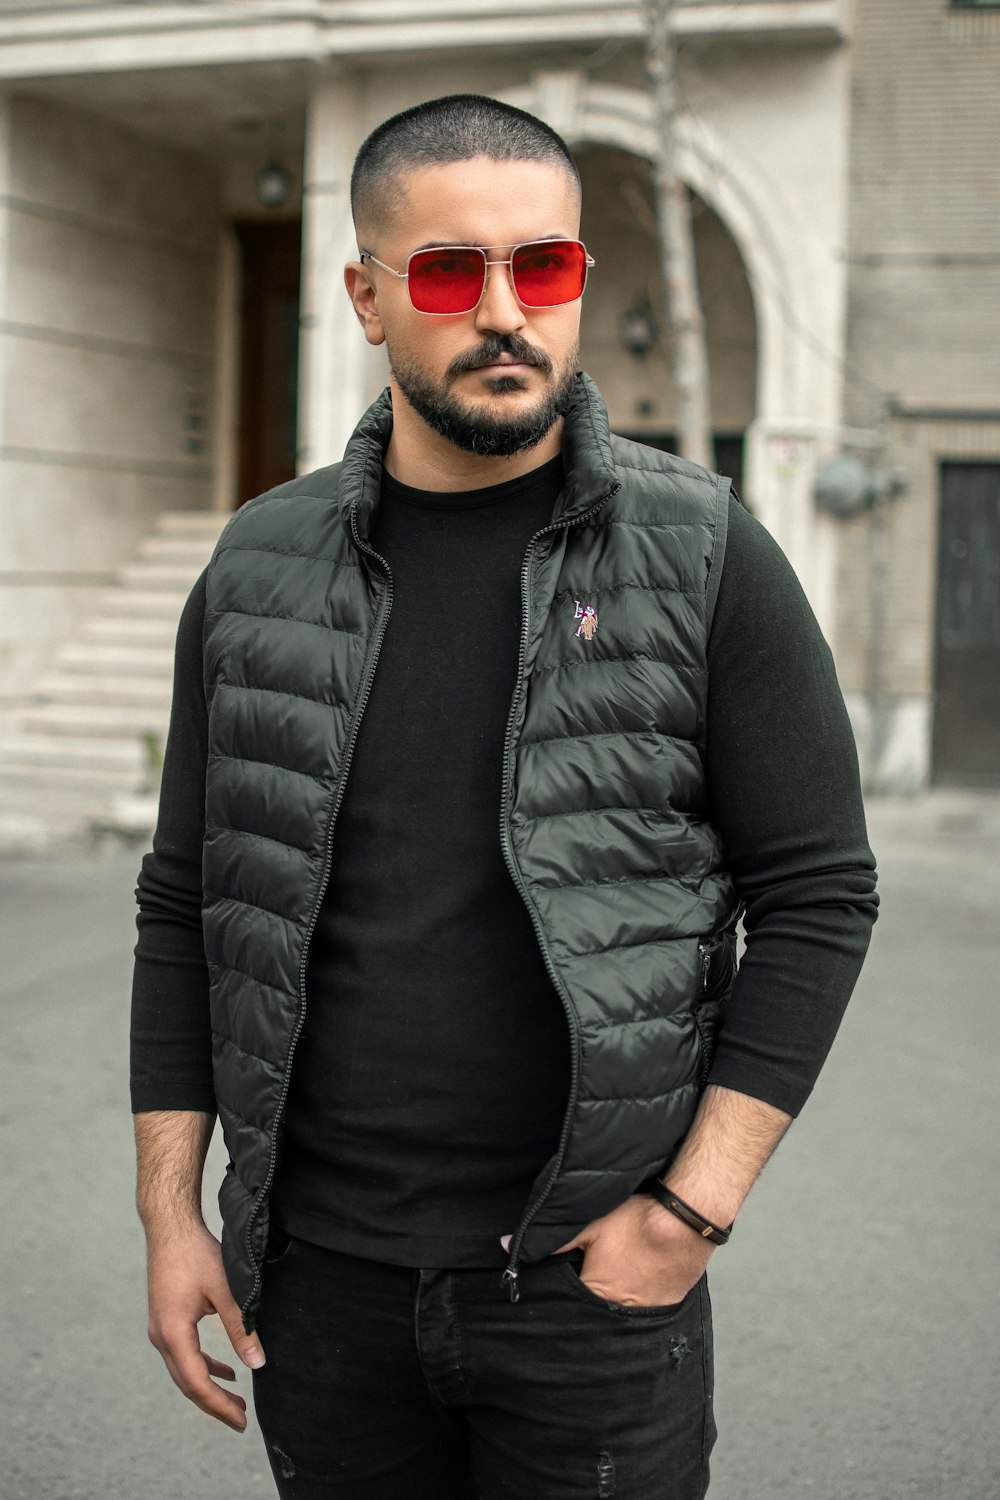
[(252, 1354), (247, 1345)]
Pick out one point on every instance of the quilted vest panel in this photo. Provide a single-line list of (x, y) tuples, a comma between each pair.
[(611, 828), (605, 821)]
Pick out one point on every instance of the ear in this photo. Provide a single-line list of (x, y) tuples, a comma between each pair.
[(361, 290)]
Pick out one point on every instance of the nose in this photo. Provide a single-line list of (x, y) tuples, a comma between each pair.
[(499, 310)]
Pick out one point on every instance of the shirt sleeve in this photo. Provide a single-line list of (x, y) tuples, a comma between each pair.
[(783, 778), (171, 1034)]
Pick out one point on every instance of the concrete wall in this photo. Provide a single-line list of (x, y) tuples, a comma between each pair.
[(108, 264), (924, 310), (925, 206)]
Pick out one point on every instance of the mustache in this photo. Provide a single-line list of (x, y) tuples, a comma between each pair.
[(490, 350)]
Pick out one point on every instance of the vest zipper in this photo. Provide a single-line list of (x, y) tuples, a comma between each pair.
[(382, 619), (705, 950), (510, 1274)]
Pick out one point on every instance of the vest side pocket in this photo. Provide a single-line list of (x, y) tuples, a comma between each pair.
[(716, 976)]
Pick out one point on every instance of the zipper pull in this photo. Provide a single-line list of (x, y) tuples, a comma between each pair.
[(706, 963), (510, 1277)]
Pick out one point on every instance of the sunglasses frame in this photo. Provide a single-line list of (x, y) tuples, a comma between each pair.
[(588, 261)]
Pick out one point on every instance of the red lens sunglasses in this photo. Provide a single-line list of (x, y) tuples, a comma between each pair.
[(452, 278)]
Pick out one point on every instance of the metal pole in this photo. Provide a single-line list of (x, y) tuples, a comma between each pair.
[(878, 610), (680, 278)]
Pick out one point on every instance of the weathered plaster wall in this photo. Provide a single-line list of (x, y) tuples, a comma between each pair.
[(925, 206), (107, 352), (924, 310)]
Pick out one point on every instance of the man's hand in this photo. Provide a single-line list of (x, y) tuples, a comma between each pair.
[(184, 1261), (186, 1282), (640, 1255)]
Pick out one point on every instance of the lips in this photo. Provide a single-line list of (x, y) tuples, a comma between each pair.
[(496, 362), (506, 362), (505, 366)]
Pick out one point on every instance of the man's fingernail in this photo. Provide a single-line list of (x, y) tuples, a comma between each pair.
[(505, 1240), (254, 1358)]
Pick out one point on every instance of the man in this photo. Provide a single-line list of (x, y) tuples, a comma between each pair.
[(481, 741)]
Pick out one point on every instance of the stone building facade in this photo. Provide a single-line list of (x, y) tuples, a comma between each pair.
[(923, 366), (167, 342)]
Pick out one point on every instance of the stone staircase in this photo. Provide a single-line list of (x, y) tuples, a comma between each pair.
[(84, 750)]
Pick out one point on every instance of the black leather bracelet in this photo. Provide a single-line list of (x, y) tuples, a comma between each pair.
[(691, 1217)]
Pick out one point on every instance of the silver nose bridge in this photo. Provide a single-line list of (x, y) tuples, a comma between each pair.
[(490, 264)]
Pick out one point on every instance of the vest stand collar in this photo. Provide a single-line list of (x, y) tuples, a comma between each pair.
[(587, 458)]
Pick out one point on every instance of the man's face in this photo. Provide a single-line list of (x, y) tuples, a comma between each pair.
[(494, 380)]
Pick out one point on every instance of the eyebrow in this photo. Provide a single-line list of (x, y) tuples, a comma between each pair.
[(475, 244)]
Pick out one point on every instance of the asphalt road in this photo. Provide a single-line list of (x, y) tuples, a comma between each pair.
[(857, 1330)]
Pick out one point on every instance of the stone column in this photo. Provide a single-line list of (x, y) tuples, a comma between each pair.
[(226, 399), (782, 461), (8, 605), (335, 364), (802, 329), (5, 190)]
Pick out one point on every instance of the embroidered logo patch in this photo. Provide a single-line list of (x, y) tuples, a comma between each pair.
[(587, 615)]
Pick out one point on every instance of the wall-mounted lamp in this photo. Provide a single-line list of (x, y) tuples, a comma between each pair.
[(274, 185), (639, 328), (844, 486)]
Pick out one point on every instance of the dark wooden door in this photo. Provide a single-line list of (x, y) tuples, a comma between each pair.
[(269, 356), (966, 747)]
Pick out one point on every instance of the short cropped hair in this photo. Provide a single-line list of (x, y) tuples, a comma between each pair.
[(454, 128)]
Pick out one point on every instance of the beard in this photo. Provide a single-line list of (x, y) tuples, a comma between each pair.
[(485, 433)]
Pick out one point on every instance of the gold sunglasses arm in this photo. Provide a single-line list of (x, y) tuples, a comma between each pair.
[(364, 255)]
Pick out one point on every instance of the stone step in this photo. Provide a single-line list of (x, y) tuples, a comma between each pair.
[(26, 751), (159, 577), (144, 632), (120, 722), (145, 603), (36, 818), (121, 653), (94, 688), (38, 784), (41, 807), (207, 523), (176, 551), (81, 755)]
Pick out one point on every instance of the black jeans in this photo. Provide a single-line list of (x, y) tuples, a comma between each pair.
[(383, 1382)]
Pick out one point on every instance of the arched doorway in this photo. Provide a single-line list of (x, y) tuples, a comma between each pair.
[(625, 342)]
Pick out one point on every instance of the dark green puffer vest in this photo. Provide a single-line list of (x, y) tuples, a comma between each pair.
[(605, 819)]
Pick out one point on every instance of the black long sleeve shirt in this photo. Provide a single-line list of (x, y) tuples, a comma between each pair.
[(431, 1077)]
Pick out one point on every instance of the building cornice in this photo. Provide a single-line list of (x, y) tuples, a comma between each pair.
[(111, 38)]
